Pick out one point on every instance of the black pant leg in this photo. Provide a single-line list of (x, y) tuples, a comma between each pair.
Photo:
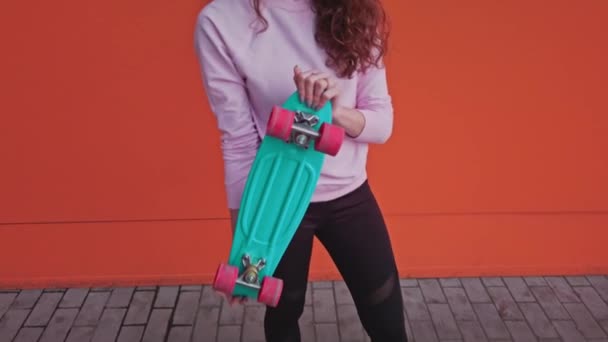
[(281, 324), (357, 239)]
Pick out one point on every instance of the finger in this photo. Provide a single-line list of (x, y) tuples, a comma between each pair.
[(332, 89), (329, 94), (320, 87), (300, 81), (310, 87), (307, 83)]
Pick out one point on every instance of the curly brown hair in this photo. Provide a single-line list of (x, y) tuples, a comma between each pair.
[(353, 33)]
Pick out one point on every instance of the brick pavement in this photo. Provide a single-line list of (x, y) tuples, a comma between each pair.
[(462, 309)]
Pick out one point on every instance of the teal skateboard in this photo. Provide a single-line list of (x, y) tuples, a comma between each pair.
[(277, 193)]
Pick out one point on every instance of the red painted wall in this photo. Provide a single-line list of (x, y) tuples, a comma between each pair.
[(111, 170)]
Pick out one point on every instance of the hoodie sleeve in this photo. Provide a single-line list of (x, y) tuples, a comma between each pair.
[(374, 102), (229, 102)]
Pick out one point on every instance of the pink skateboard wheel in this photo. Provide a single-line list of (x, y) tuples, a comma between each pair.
[(280, 123), (225, 279), (330, 139), (271, 290)]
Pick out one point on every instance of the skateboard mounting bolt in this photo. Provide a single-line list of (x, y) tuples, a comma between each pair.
[(250, 275), (301, 139)]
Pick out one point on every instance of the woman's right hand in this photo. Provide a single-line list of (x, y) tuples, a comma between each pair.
[(315, 87)]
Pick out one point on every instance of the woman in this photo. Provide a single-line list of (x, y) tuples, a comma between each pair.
[(253, 56)]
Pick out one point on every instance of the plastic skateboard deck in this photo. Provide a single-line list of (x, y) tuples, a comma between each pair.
[(277, 193)]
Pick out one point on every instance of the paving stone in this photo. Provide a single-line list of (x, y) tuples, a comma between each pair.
[(520, 331), (475, 290), (146, 288), (307, 325), (187, 306), (229, 333), (167, 297), (414, 304), (29, 334), (492, 281), (600, 283), (444, 321), (549, 302), (73, 298), (109, 325), (253, 324), (593, 301), (322, 284), (431, 291), (584, 320), (327, 332), (308, 298), (535, 281), (59, 289), (408, 282), (555, 308), (577, 281), (156, 329), (6, 299), (121, 297), (408, 329), (472, 331), (92, 308), (205, 326), (80, 334), (140, 307), (538, 321), (349, 325), (568, 331), (460, 305), (101, 289), (42, 312), (11, 322), (60, 324), (180, 334), (131, 333), (231, 314), (192, 288), (604, 324), (505, 304), (450, 282), (519, 290), (343, 295), (490, 321), (26, 299), (209, 297), (424, 331), (562, 290), (324, 308)]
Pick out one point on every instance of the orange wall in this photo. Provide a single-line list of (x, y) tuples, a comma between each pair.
[(111, 170)]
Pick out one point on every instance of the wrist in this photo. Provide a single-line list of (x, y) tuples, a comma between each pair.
[(351, 120)]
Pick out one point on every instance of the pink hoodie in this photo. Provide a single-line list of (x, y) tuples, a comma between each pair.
[(245, 74)]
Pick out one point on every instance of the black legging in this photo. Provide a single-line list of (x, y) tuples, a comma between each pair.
[(354, 233)]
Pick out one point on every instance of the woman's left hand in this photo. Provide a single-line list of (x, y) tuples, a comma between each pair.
[(315, 87)]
